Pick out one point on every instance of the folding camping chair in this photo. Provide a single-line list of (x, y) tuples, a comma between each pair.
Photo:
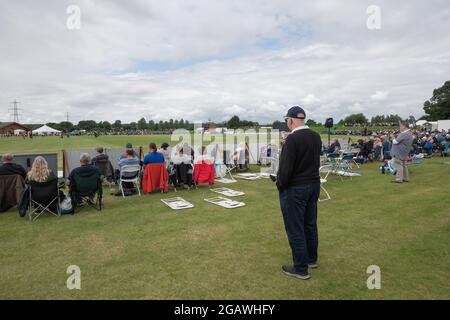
[(11, 189), (222, 170), (134, 172), (87, 189), (177, 203), (225, 168), (346, 163), (355, 152), (203, 172), (155, 177), (44, 197), (324, 171)]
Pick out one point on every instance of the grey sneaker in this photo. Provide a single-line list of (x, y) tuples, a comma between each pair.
[(313, 265), (290, 271)]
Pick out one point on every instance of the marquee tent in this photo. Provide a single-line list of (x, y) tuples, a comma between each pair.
[(45, 130)]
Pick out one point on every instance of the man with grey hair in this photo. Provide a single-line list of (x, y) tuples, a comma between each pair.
[(401, 147), (10, 168), (298, 182), (85, 168)]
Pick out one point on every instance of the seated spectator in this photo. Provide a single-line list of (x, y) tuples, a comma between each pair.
[(378, 148), (164, 149), (128, 146), (386, 148), (101, 161), (364, 148), (10, 168), (131, 159), (370, 144), (153, 156), (416, 144), (440, 138), (334, 147), (203, 155), (446, 144), (85, 169), (40, 172), (427, 146), (186, 150), (100, 157)]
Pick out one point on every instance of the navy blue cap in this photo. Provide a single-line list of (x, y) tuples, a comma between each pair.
[(129, 146), (296, 113)]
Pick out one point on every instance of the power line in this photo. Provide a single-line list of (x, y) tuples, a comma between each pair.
[(15, 111)]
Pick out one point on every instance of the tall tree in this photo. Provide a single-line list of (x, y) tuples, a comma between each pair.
[(87, 125), (355, 119), (106, 125), (234, 122), (142, 124), (66, 126), (117, 125), (151, 125), (438, 107)]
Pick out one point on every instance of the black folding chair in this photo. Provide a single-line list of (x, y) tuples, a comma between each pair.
[(87, 189), (44, 197), (107, 171)]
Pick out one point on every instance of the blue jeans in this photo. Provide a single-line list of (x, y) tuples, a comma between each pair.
[(299, 207)]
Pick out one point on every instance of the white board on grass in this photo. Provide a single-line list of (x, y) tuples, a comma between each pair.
[(177, 203), (348, 174), (225, 202), (226, 181), (248, 176), (228, 192)]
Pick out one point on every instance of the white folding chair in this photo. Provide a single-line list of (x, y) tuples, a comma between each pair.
[(222, 170), (324, 171), (228, 165), (355, 152), (131, 170)]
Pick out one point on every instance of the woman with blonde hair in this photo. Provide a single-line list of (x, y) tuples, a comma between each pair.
[(39, 171)]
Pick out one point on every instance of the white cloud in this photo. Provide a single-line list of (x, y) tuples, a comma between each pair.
[(379, 95), (211, 59), (356, 108), (310, 99)]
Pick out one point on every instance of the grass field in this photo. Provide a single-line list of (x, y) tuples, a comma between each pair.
[(139, 249)]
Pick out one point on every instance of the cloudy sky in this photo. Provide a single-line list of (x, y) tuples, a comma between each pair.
[(210, 59)]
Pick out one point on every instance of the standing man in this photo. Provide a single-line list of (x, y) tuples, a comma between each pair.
[(298, 182), (401, 146)]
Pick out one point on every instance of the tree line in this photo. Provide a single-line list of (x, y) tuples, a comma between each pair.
[(142, 124), (359, 119)]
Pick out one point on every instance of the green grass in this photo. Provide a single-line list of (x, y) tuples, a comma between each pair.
[(139, 249)]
